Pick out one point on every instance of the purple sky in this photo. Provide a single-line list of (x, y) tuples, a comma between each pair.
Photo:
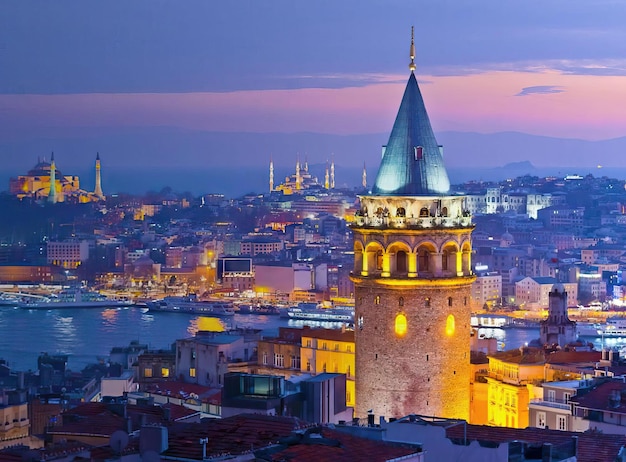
[(553, 68)]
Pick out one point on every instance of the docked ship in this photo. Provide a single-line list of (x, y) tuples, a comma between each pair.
[(313, 312), (191, 305), (79, 298), (614, 327), (258, 309)]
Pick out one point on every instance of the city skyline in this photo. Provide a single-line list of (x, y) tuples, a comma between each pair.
[(88, 77)]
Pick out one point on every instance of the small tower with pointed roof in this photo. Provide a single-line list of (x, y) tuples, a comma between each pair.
[(557, 328), (98, 188), (412, 276)]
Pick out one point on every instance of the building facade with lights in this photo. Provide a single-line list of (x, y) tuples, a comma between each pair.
[(412, 277)]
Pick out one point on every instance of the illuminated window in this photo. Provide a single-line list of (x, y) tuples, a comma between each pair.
[(147, 372), (450, 325), (427, 302), (192, 372), (165, 372), (377, 300), (400, 326), (265, 358)]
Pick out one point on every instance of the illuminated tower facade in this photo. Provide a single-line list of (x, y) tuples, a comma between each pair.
[(412, 277), (52, 195), (271, 175), (298, 176), (98, 189)]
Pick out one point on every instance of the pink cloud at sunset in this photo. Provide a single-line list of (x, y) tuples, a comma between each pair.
[(575, 106)]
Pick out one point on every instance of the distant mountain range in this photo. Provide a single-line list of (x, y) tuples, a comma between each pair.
[(140, 159)]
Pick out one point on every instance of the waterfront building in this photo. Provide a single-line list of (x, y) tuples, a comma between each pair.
[(534, 292), (412, 276), (67, 254)]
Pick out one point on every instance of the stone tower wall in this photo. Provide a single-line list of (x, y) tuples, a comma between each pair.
[(425, 371)]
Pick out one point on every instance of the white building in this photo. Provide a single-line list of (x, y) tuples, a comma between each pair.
[(534, 292)]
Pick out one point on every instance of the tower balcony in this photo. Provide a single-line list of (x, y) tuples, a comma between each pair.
[(389, 222)]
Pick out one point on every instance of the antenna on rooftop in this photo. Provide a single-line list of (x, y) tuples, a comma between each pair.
[(118, 441)]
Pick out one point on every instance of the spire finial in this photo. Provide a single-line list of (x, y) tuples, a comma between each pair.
[(412, 52)]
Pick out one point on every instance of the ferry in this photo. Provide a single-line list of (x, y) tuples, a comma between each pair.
[(313, 312), (614, 327), (191, 305), (79, 298)]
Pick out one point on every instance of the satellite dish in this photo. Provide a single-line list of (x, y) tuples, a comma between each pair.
[(118, 441), (151, 456)]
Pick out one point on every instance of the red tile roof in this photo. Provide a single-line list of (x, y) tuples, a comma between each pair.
[(569, 357), (598, 397), (592, 447), (334, 446), (98, 419), (183, 390), (234, 435)]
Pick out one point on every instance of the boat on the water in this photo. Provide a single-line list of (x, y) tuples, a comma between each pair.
[(258, 309), (614, 327), (79, 298), (191, 305), (313, 312)]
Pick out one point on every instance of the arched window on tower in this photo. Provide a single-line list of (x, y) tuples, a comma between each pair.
[(379, 260), (427, 302), (401, 261), (401, 301), (423, 260), (424, 212), (445, 255), (400, 212)]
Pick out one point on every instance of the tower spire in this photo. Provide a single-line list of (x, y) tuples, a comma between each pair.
[(364, 178), (412, 51), (52, 195), (98, 188), (326, 178)]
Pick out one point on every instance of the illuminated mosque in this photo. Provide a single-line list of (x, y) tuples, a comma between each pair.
[(412, 276), (45, 181), (302, 181)]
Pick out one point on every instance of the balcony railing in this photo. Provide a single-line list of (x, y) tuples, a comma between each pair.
[(557, 403), (412, 223)]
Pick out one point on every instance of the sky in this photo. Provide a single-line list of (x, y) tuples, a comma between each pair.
[(68, 68)]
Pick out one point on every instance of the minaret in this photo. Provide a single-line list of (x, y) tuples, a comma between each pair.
[(298, 177), (98, 189), (52, 194), (306, 164), (364, 177), (412, 278), (271, 174), (326, 178), (332, 171)]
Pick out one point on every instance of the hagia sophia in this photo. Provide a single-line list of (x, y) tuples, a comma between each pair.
[(46, 182)]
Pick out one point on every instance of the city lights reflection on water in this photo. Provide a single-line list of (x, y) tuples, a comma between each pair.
[(86, 334)]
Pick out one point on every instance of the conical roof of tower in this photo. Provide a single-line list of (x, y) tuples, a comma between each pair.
[(412, 164)]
